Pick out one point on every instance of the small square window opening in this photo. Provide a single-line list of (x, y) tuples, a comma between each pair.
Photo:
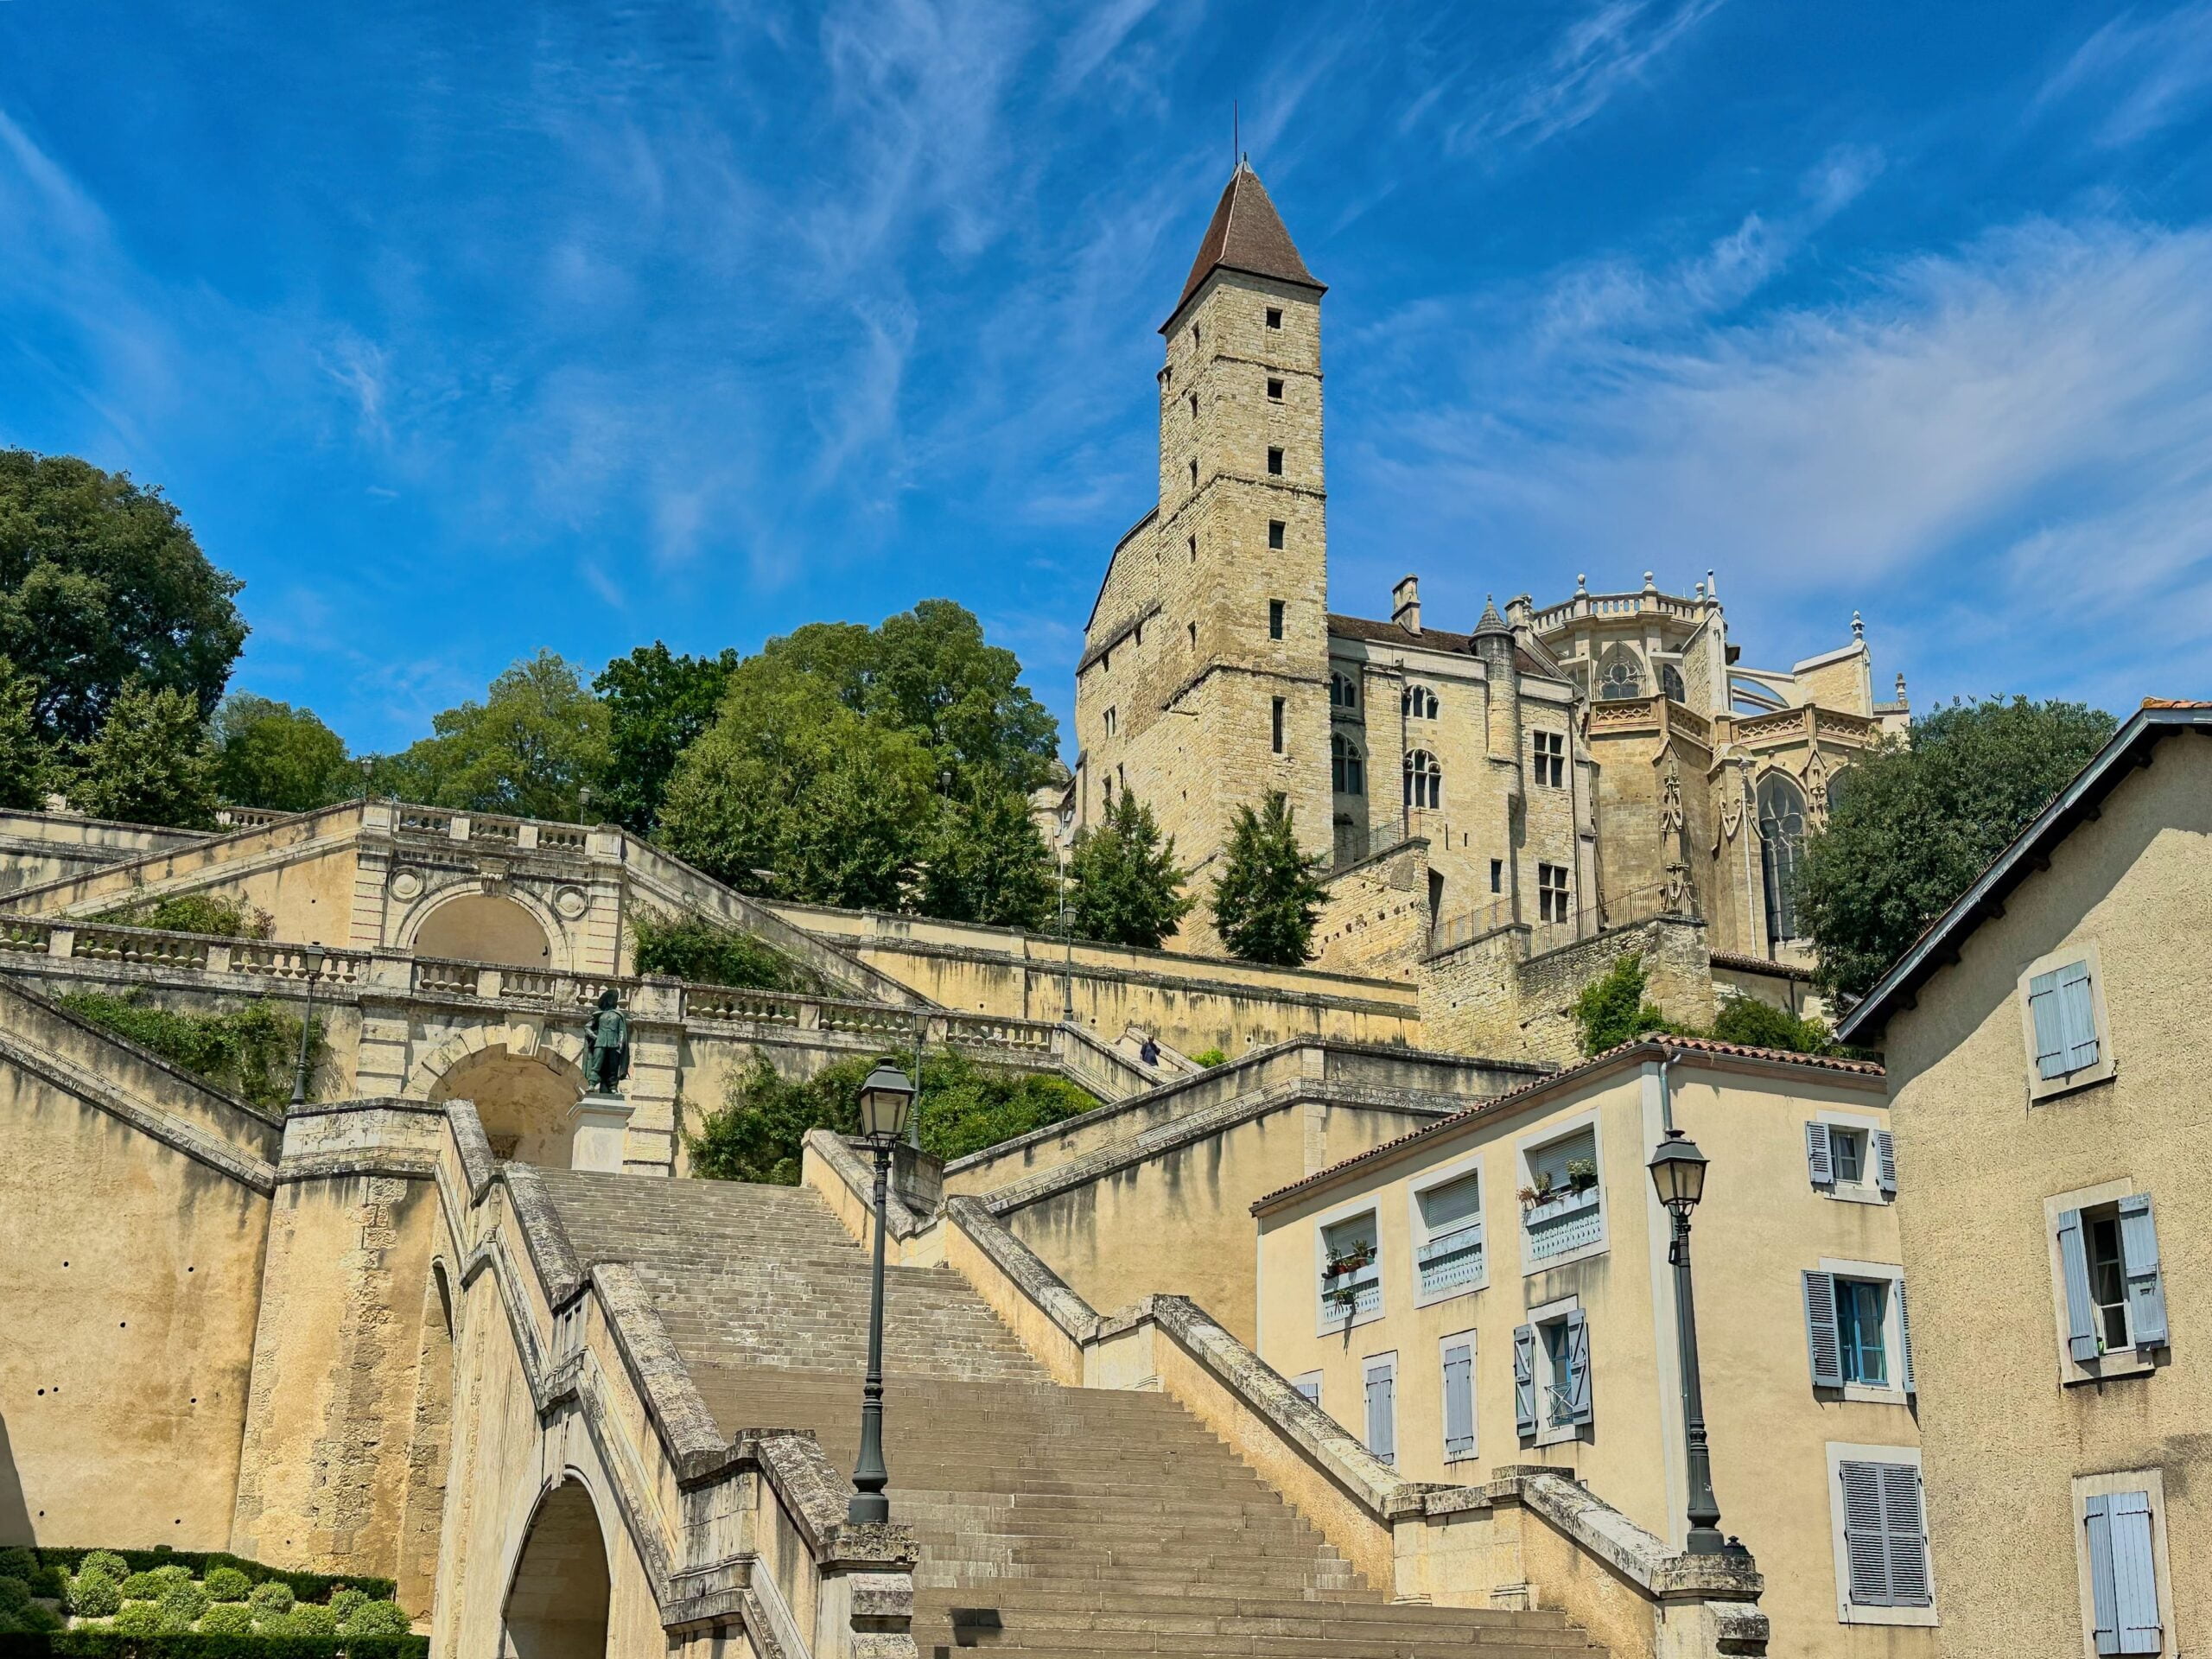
[(1275, 390), (1276, 532), (1274, 462), (1274, 317)]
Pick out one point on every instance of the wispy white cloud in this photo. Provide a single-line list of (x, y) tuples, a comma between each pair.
[(2154, 70), (1601, 53)]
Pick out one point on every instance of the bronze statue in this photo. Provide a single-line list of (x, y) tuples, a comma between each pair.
[(607, 1046)]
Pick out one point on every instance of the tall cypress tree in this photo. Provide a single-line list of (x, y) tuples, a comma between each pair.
[(1269, 893), (1127, 886)]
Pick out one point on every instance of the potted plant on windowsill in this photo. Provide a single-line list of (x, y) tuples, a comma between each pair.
[(1339, 1288)]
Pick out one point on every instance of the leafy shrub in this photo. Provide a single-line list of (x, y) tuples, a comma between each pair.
[(1755, 1024), (49, 1581), (94, 1595), (195, 912), (707, 953), (250, 1050), (270, 1600), (314, 1619), (18, 1563), (305, 1587), (138, 1619), (181, 1603), (343, 1602), (1210, 1057), (227, 1619), (141, 1587), (15, 1594), (107, 1561), (1613, 1010), (378, 1618), (173, 1573), (228, 1584)]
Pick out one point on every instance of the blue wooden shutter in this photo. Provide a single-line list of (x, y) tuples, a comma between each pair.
[(2096, 1516), (1820, 1338), (2134, 1573), (2138, 1251), (1577, 1366), (1524, 1379), (1906, 1536), (2049, 1025), (1886, 1162), (2074, 1264), (1865, 1542), (2078, 1012), (1459, 1400), (1383, 1412), (1820, 1165), (1310, 1387), (1904, 1337)]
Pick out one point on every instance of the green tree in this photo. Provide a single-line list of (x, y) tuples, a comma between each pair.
[(1755, 1024), (707, 953), (252, 1051), (102, 587), (1127, 887), (657, 703), (271, 754), (759, 1131), (531, 748), (1613, 1010), (151, 763), (792, 793), (988, 863), (26, 766), (1269, 893), (1914, 823)]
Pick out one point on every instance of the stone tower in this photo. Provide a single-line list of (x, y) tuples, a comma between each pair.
[(1203, 683)]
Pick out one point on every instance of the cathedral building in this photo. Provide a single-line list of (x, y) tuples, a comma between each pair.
[(1564, 769)]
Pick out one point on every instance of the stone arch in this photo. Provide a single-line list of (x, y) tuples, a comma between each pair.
[(522, 1081), (508, 925), (1620, 673), (1781, 808), (560, 1585)]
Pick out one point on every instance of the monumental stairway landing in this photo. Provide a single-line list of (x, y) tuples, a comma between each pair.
[(1050, 1520)]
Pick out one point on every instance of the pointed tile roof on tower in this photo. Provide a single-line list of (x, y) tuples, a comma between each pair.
[(1247, 234)]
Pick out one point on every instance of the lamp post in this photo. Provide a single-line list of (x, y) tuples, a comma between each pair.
[(313, 956), (1678, 1171), (885, 1099)]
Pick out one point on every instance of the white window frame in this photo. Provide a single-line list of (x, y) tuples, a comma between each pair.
[(1310, 1381), (2117, 1363), (1548, 1432), (1868, 1190), (2041, 1088), (1369, 1364), (1847, 1610), (1893, 1393), (2151, 1481), (1418, 1229), (1326, 1324), (1466, 1339), (1544, 1137)]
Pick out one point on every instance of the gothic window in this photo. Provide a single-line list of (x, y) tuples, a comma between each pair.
[(1782, 845), (1424, 781), (1343, 694), (1620, 674), (1347, 768), (1670, 683), (1420, 702)]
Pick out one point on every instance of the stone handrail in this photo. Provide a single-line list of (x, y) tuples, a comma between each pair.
[(830, 1165), (722, 1528), (1528, 1537)]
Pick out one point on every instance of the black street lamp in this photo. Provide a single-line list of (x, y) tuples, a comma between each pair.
[(1678, 1171), (885, 1099), (313, 956)]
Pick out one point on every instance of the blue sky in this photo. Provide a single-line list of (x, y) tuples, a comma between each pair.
[(460, 330)]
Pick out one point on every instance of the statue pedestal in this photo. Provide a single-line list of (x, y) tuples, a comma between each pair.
[(597, 1124)]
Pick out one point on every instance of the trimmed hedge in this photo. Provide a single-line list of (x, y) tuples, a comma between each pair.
[(106, 1645), (304, 1586)]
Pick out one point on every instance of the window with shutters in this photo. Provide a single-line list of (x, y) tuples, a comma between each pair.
[(1562, 1200), (2120, 1522), (1446, 1219), (2107, 1281), (1379, 1374), (1858, 1331), (2063, 1020), (1309, 1385), (1458, 1354), (1851, 1157), (1880, 1535), (1351, 1272), (1552, 1399)]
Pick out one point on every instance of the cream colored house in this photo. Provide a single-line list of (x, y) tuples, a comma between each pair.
[(1493, 1290), (2048, 1050)]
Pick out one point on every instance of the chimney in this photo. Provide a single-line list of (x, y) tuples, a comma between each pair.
[(1405, 605)]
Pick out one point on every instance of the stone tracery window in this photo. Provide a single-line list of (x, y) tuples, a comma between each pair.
[(1420, 702), (1620, 674), (1670, 683), (1347, 766), (1344, 693), (1781, 847), (1424, 781)]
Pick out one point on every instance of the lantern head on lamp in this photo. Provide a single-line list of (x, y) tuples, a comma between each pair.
[(885, 1099), (1678, 1171)]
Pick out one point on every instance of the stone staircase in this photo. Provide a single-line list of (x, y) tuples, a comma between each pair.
[(1070, 1521)]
